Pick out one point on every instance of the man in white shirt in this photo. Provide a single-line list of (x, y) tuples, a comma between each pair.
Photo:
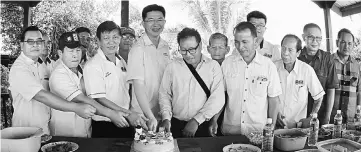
[(252, 84), (104, 79), (31, 101), (147, 61), (185, 106), (297, 79), (67, 82)]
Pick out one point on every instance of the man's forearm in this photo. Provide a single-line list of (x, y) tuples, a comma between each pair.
[(107, 103), (100, 109), (273, 103), (142, 99), (330, 101), (55, 102), (316, 105)]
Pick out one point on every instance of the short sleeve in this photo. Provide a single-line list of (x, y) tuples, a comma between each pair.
[(135, 64), (62, 85), (94, 81), (314, 85), (274, 88), (23, 81)]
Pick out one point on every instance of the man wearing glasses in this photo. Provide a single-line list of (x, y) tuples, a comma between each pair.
[(265, 48), (322, 63), (147, 61), (127, 39), (31, 101), (186, 108)]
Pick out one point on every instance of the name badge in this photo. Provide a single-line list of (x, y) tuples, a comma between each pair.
[(268, 55), (299, 82)]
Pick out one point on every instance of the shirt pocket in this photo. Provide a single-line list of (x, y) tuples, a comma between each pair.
[(354, 80), (300, 93), (259, 87)]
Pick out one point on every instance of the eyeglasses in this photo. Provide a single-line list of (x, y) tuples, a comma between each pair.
[(190, 51), (155, 21), (31, 42), (312, 38), (128, 37), (259, 25)]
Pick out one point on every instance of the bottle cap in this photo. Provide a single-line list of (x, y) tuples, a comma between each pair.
[(359, 107), (338, 111), (269, 120), (314, 115)]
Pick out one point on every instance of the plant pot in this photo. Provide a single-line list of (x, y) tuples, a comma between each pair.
[(290, 143)]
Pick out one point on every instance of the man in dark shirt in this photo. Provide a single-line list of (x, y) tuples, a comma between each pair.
[(322, 63)]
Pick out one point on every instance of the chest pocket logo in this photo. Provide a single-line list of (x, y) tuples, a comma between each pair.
[(107, 74), (300, 93), (259, 86)]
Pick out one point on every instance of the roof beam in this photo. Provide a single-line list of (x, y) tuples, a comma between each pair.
[(351, 9)]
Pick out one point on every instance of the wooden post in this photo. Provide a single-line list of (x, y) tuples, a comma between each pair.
[(328, 26), (27, 15), (125, 13)]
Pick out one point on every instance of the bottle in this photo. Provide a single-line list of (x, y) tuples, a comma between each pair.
[(337, 127), (314, 123), (357, 119), (267, 143)]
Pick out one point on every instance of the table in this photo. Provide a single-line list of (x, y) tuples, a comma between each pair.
[(205, 144)]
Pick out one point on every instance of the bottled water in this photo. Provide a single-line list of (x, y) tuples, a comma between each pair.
[(267, 143), (358, 118), (337, 128), (312, 139)]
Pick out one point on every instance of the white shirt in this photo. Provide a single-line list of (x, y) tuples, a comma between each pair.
[(248, 87), (104, 79), (147, 63), (295, 87), (182, 97), (26, 79), (67, 85)]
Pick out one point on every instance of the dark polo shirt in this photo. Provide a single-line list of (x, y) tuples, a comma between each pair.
[(324, 67)]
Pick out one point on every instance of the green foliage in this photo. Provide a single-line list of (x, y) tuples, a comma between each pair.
[(11, 26)]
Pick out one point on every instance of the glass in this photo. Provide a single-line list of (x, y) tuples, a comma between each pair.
[(155, 21), (128, 37), (31, 42), (190, 51), (312, 38)]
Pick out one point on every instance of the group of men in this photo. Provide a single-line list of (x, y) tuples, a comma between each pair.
[(125, 85)]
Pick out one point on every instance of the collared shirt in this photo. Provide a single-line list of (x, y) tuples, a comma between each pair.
[(248, 87), (104, 79), (26, 78), (67, 85), (146, 62), (346, 96), (182, 97), (325, 70), (49, 64), (267, 49), (295, 87)]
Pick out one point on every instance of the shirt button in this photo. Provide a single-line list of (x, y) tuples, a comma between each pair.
[(242, 121), (246, 78), (243, 111), (245, 89), (244, 100)]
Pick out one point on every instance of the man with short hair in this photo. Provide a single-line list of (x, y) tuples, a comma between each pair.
[(45, 56), (297, 79), (147, 61), (31, 101), (348, 96), (85, 39), (218, 49), (104, 79), (67, 82), (265, 48), (180, 88), (127, 39), (252, 85), (322, 63)]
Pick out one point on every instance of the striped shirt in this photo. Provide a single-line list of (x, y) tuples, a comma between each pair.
[(346, 96)]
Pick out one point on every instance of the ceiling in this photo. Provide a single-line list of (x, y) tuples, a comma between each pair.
[(341, 7)]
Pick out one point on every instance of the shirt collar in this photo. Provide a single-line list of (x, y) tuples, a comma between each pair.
[(148, 42), (256, 58), (80, 70), (101, 53), (295, 68), (318, 54), (350, 58), (28, 60), (261, 44)]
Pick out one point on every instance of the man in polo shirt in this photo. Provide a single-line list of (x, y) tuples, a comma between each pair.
[(297, 79), (126, 42), (265, 48), (104, 79), (323, 65), (347, 97), (85, 39), (185, 107), (67, 82), (252, 84), (31, 101), (147, 61), (44, 57)]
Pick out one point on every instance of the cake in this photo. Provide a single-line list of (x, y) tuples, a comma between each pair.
[(149, 141)]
